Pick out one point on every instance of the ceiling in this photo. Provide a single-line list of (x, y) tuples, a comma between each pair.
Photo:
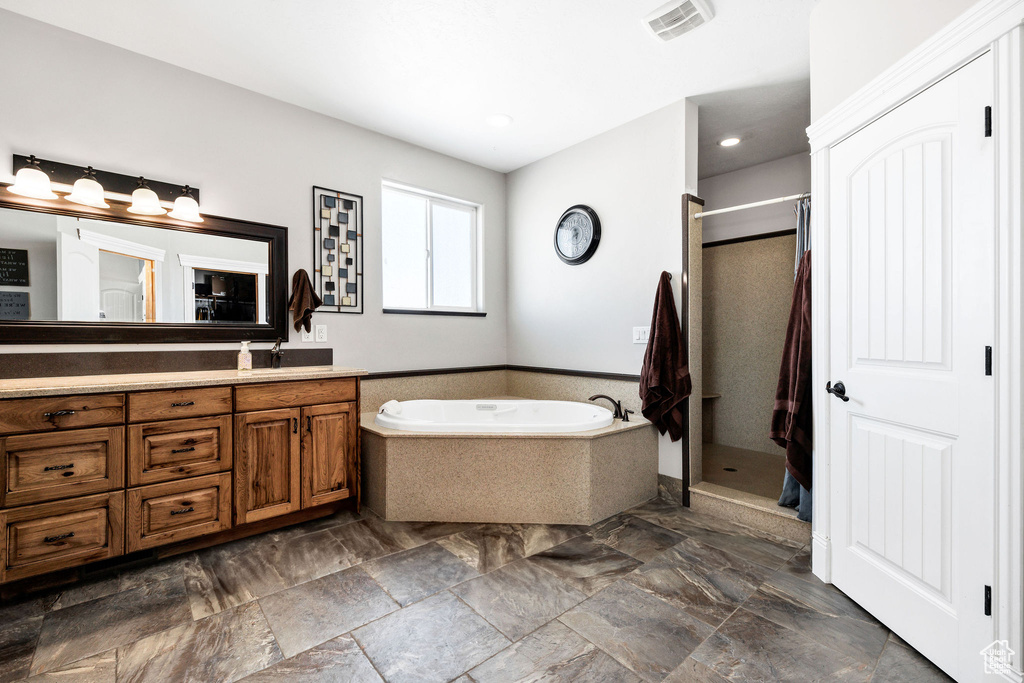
[(770, 120), (431, 71)]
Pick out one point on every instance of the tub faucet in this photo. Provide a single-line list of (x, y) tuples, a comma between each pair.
[(617, 404), (276, 354)]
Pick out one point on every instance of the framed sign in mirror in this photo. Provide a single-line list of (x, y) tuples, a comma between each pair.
[(76, 274)]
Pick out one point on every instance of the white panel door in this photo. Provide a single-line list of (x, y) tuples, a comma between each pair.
[(78, 279), (912, 310)]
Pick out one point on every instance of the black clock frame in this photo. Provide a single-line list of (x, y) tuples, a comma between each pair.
[(595, 221)]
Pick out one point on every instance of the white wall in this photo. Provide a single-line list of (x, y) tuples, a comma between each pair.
[(36, 233), (852, 42), (78, 100), (581, 317), (780, 178)]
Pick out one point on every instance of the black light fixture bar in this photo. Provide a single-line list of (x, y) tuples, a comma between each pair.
[(67, 174)]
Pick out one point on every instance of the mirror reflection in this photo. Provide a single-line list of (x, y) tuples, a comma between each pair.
[(65, 268)]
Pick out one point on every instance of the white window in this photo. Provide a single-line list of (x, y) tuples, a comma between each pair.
[(430, 251)]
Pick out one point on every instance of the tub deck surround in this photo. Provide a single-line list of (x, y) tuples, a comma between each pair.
[(543, 478), (30, 387)]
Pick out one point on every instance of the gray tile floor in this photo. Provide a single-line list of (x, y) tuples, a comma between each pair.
[(659, 593)]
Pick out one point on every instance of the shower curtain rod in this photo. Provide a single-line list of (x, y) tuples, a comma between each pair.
[(730, 209)]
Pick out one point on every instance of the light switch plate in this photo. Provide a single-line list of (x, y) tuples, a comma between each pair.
[(321, 333), (641, 335), (307, 336)]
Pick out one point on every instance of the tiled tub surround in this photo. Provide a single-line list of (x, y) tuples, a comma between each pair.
[(576, 478), (656, 594)]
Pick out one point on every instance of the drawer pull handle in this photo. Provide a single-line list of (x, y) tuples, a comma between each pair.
[(295, 425), (183, 450), (183, 404), (57, 468), (182, 511), (59, 537), (59, 413)]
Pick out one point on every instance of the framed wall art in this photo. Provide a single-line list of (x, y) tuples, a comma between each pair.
[(338, 250)]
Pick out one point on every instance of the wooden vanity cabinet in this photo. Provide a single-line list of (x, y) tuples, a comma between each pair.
[(88, 478), (293, 450)]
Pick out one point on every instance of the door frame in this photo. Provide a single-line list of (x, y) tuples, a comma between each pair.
[(996, 26)]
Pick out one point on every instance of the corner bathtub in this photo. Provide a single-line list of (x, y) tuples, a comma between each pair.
[(507, 461), (505, 417)]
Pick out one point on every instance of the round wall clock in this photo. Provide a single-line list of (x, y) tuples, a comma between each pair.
[(577, 234)]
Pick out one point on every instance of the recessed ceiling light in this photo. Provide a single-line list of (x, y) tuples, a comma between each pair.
[(729, 142), (498, 120)]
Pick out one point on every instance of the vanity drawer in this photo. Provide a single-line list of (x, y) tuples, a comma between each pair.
[(294, 394), (166, 451), (168, 405), (51, 466), (171, 512), (43, 538), (60, 412)]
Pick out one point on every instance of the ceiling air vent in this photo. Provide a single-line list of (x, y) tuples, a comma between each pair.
[(676, 18)]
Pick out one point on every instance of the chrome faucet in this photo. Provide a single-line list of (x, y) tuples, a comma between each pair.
[(619, 415), (276, 354)]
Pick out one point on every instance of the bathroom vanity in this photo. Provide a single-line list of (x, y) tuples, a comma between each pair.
[(97, 467)]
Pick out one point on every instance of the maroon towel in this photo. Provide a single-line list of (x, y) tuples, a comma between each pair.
[(304, 300), (665, 377), (791, 420)]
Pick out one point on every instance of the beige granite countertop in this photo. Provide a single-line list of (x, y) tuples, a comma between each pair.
[(635, 422), (30, 387)]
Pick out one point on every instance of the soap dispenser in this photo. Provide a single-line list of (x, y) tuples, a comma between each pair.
[(245, 357)]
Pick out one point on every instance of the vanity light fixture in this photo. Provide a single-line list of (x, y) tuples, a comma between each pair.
[(88, 191), (186, 208), (729, 142), (145, 202), (32, 181)]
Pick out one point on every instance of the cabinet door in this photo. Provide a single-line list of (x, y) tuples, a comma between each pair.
[(329, 463), (267, 462)]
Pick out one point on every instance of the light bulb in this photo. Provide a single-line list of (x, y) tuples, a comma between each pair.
[(88, 191), (186, 208), (31, 181), (145, 202)]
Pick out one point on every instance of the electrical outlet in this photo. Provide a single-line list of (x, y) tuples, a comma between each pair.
[(307, 335), (641, 335), (321, 333)]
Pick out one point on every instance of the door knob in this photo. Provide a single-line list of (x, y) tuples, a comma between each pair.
[(839, 390)]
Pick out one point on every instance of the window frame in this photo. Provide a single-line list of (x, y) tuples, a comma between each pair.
[(476, 250)]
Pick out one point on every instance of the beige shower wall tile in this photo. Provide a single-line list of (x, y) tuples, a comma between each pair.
[(461, 385), (748, 289)]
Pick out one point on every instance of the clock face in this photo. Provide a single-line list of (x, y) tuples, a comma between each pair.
[(577, 234)]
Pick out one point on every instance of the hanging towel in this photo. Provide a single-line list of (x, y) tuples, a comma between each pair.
[(803, 231), (791, 419), (304, 300), (665, 376)]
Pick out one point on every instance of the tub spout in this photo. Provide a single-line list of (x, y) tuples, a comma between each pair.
[(618, 405)]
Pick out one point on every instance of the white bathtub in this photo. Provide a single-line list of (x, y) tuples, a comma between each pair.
[(518, 416)]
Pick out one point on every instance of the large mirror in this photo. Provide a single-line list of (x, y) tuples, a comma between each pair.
[(70, 275)]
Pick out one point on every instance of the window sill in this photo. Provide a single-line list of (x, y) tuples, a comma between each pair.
[(420, 311)]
